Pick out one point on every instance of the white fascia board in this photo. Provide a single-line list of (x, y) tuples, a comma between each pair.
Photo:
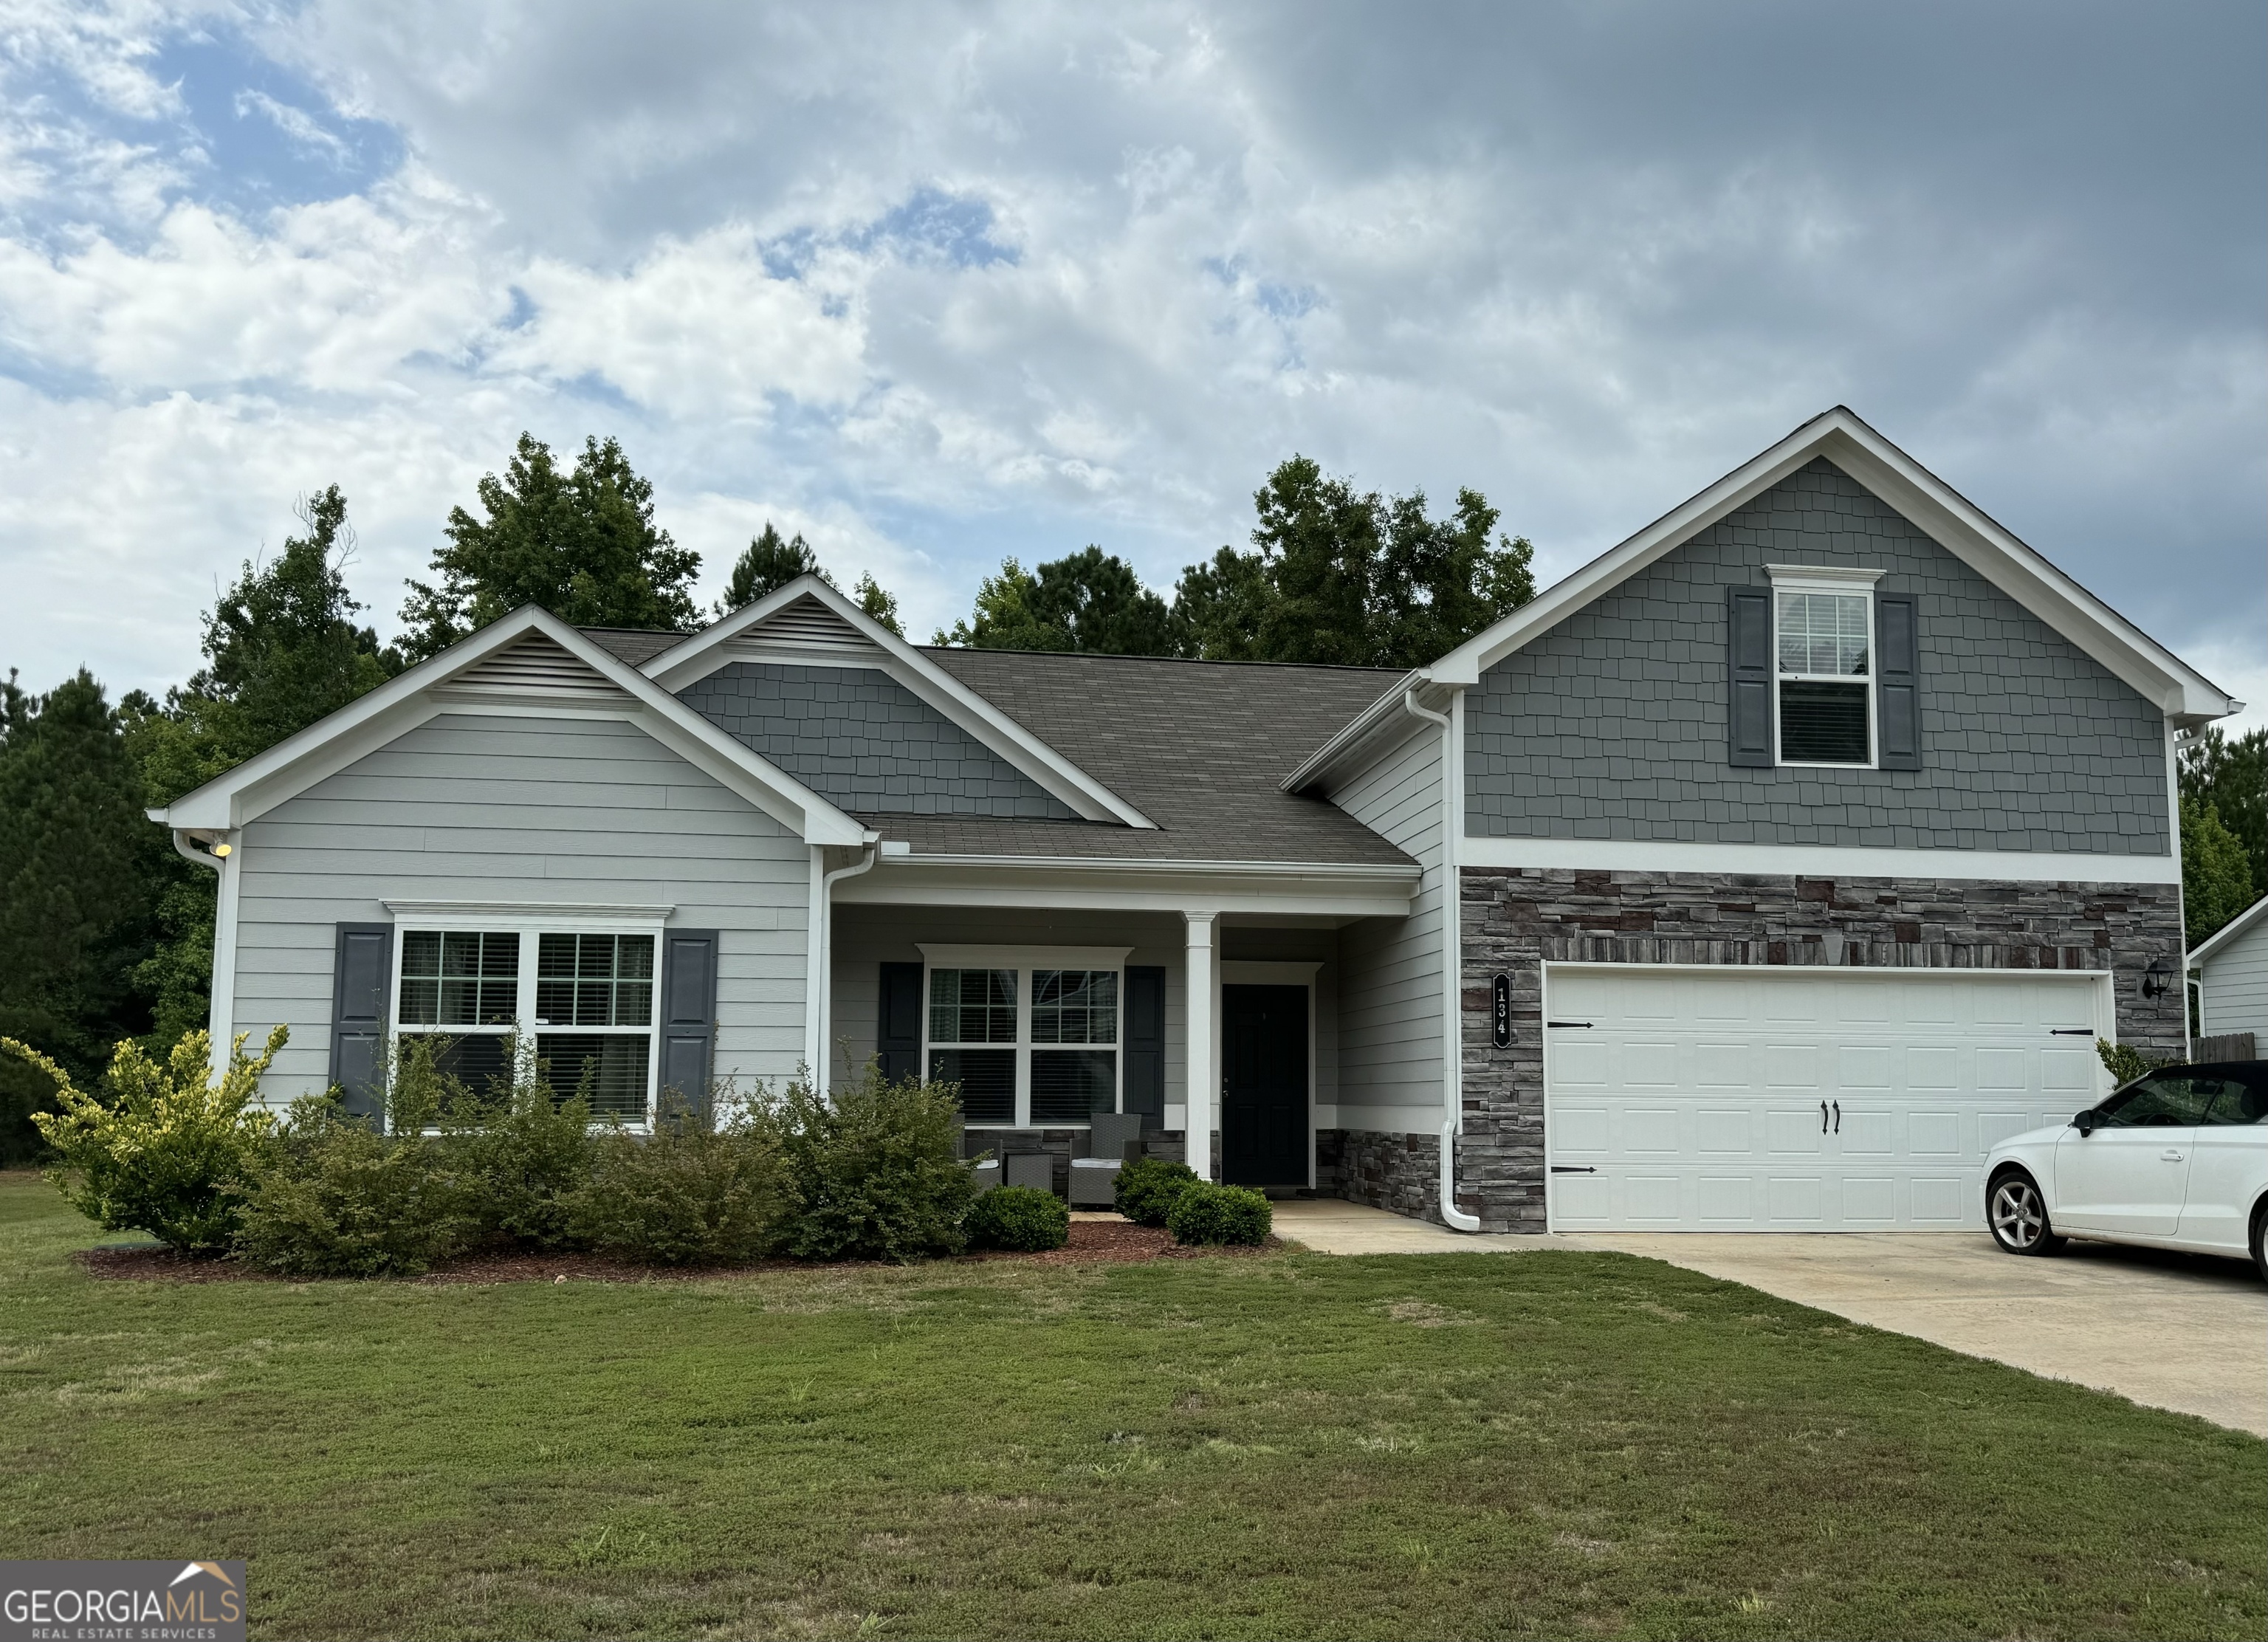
[(2230, 931), (1335, 893), (398, 706), (1815, 861), (703, 654), (1934, 507)]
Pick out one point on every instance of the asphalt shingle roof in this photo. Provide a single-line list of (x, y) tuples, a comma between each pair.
[(1198, 747)]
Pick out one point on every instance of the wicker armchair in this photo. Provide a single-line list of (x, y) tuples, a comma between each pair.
[(1112, 1137)]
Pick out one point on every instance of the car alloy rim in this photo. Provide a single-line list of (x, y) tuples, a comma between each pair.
[(2016, 1215)]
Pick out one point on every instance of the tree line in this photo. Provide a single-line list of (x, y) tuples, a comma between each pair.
[(105, 933)]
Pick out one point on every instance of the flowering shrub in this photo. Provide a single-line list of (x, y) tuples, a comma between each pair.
[(164, 1148)]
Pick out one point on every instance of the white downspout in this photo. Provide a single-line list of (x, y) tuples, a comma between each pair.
[(1452, 1053), (220, 1014), (824, 938)]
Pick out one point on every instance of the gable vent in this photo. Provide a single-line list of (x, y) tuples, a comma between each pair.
[(803, 626), (537, 666)]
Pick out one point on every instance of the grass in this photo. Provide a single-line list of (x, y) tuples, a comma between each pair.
[(1548, 1444)]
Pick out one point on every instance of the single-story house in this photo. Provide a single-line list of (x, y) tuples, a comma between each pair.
[(2231, 973), (1762, 874)]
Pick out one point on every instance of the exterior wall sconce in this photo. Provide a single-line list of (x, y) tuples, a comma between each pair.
[(2157, 980)]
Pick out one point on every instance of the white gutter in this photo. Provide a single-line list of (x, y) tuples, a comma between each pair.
[(1453, 1070), (822, 944)]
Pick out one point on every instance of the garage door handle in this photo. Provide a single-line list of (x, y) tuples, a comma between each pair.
[(1567, 1023), (1573, 1168), (1822, 1117), (2071, 1032)]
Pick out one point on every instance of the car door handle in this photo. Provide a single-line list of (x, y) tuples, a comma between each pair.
[(2170, 1155)]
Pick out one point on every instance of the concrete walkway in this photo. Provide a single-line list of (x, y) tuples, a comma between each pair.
[(2173, 1331)]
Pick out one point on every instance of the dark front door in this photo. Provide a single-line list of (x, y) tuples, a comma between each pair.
[(1264, 1105)]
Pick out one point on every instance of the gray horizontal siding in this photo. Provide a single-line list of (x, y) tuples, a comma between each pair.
[(1612, 726), (541, 810), (1389, 992), (2234, 994), (866, 741)]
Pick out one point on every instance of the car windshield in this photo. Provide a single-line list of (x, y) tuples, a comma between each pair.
[(2166, 1101)]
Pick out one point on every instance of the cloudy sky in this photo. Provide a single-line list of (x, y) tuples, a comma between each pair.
[(936, 283)]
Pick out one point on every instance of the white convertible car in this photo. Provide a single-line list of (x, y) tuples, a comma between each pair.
[(2177, 1159)]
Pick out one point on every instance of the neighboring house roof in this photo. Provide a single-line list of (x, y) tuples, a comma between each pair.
[(1199, 744), (809, 622), (2230, 932), (529, 660)]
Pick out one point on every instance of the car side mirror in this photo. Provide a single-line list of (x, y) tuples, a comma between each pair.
[(2088, 1122)]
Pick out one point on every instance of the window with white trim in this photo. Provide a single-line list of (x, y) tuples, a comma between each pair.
[(584, 997), (1822, 646), (1032, 1045)]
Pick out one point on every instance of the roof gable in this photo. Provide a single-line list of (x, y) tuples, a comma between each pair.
[(1934, 507), (809, 622), (2231, 932), (528, 661)]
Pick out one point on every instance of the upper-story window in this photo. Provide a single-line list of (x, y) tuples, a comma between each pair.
[(1823, 661)]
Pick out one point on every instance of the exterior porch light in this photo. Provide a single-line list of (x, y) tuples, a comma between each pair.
[(2157, 979)]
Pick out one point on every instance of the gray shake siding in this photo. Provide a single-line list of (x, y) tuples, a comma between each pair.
[(1613, 725), (522, 810), (1514, 920), (865, 742)]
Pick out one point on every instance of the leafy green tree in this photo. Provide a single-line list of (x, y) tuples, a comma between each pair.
[(2216, 878), (766, 565), (281, 650), (582, 544), (2231, 775), (1089, 601), (76, 901), (1353, 578), (883, 607)]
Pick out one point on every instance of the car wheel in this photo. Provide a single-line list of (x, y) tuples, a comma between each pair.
[(2018, 1215)]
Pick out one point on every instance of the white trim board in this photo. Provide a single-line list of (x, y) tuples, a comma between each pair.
[(940, 956), (1817, 861), (1934, 507), (713, 647)]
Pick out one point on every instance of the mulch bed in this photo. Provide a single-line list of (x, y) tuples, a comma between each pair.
[(1092, 1242)]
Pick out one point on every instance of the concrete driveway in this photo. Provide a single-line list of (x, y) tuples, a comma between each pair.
[(2174, 1331)]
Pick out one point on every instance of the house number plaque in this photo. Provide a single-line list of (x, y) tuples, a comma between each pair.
[(1501, 1010)]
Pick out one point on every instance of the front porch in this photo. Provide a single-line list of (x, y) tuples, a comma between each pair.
[(1047, 1016)]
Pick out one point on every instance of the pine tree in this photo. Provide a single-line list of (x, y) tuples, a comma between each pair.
[(766, 565)]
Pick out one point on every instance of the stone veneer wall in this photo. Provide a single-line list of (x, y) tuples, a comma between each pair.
[(1515, 918), (1395, 1171)]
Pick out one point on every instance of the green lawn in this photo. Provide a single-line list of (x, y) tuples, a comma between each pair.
[(1550, 1444)]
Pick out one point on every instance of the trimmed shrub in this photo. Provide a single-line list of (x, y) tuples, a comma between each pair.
[(164, 1148), (1021, 1218), (2125, 1062), (695, 1192), (337, 1198), (1207, 1213), (522, 1153), (1146, 1189), (875, 1173)]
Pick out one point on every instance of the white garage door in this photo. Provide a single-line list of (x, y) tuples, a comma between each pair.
[(1732, 1100)]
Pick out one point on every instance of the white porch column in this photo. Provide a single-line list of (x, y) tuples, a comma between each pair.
[(1203, 1064)]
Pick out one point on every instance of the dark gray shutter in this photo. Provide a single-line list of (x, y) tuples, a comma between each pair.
[(1749, 706), (1145, 1041), (689, 1012), (898, 1021), (1898, 670), (362, 980)]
